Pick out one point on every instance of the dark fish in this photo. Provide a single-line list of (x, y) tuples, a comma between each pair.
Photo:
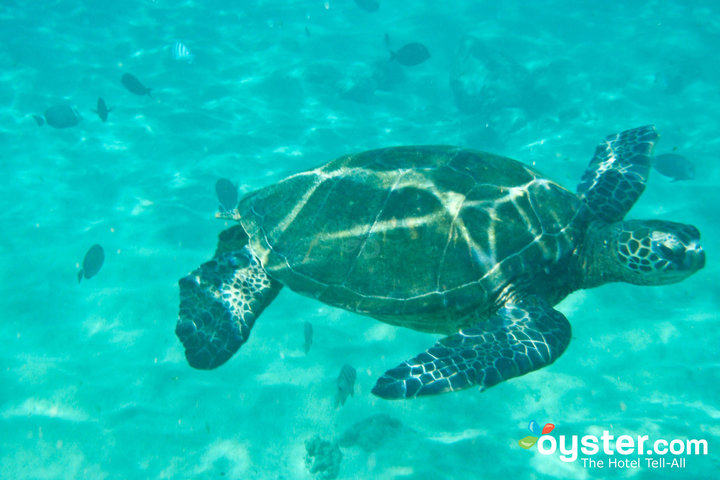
[(368, 5), (133, 84), (39, 120), (674, 166), (308, 331), (227, 194), (62, 116), (92, 263), (102, 109), (411, 54), (345, 384)]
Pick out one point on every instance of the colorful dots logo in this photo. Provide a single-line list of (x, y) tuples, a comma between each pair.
[(530, 440)]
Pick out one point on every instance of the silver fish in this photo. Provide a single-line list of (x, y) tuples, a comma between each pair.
[(181, 53)]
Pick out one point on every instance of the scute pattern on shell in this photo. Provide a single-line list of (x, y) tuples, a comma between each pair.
[(404, 233)]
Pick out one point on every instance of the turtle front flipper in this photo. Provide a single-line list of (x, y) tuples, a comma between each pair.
[(518, 339), (617, 173), (219, 303)]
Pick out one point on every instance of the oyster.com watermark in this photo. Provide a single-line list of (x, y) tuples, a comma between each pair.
[(616, 451)]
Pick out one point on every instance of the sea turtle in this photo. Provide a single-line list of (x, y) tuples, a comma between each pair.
[(438, 239)]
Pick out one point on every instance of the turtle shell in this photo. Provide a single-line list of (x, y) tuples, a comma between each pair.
[(417, 236)]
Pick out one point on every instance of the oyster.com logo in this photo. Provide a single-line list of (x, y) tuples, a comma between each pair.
[(614, 451), (530, 440)]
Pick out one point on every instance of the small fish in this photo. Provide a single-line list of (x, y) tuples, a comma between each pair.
[(368, 5), (181, 53), (411, 54), (62, 116), (308, 331), (345, 384), (130, 82), (674, 166), (102, 110), (227, 194), (92, 263), (39, 119)]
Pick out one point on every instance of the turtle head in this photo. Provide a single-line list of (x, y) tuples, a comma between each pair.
[(651, 252), (641, 252)]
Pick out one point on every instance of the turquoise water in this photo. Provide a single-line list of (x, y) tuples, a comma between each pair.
[(94, 383)]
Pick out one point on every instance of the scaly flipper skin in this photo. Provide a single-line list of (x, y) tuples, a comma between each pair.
[(219, 303), (518, 339), (617, 173)]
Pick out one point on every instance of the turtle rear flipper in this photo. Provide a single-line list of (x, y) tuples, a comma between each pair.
[(617, 173), (219, 303), (519, 338)]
